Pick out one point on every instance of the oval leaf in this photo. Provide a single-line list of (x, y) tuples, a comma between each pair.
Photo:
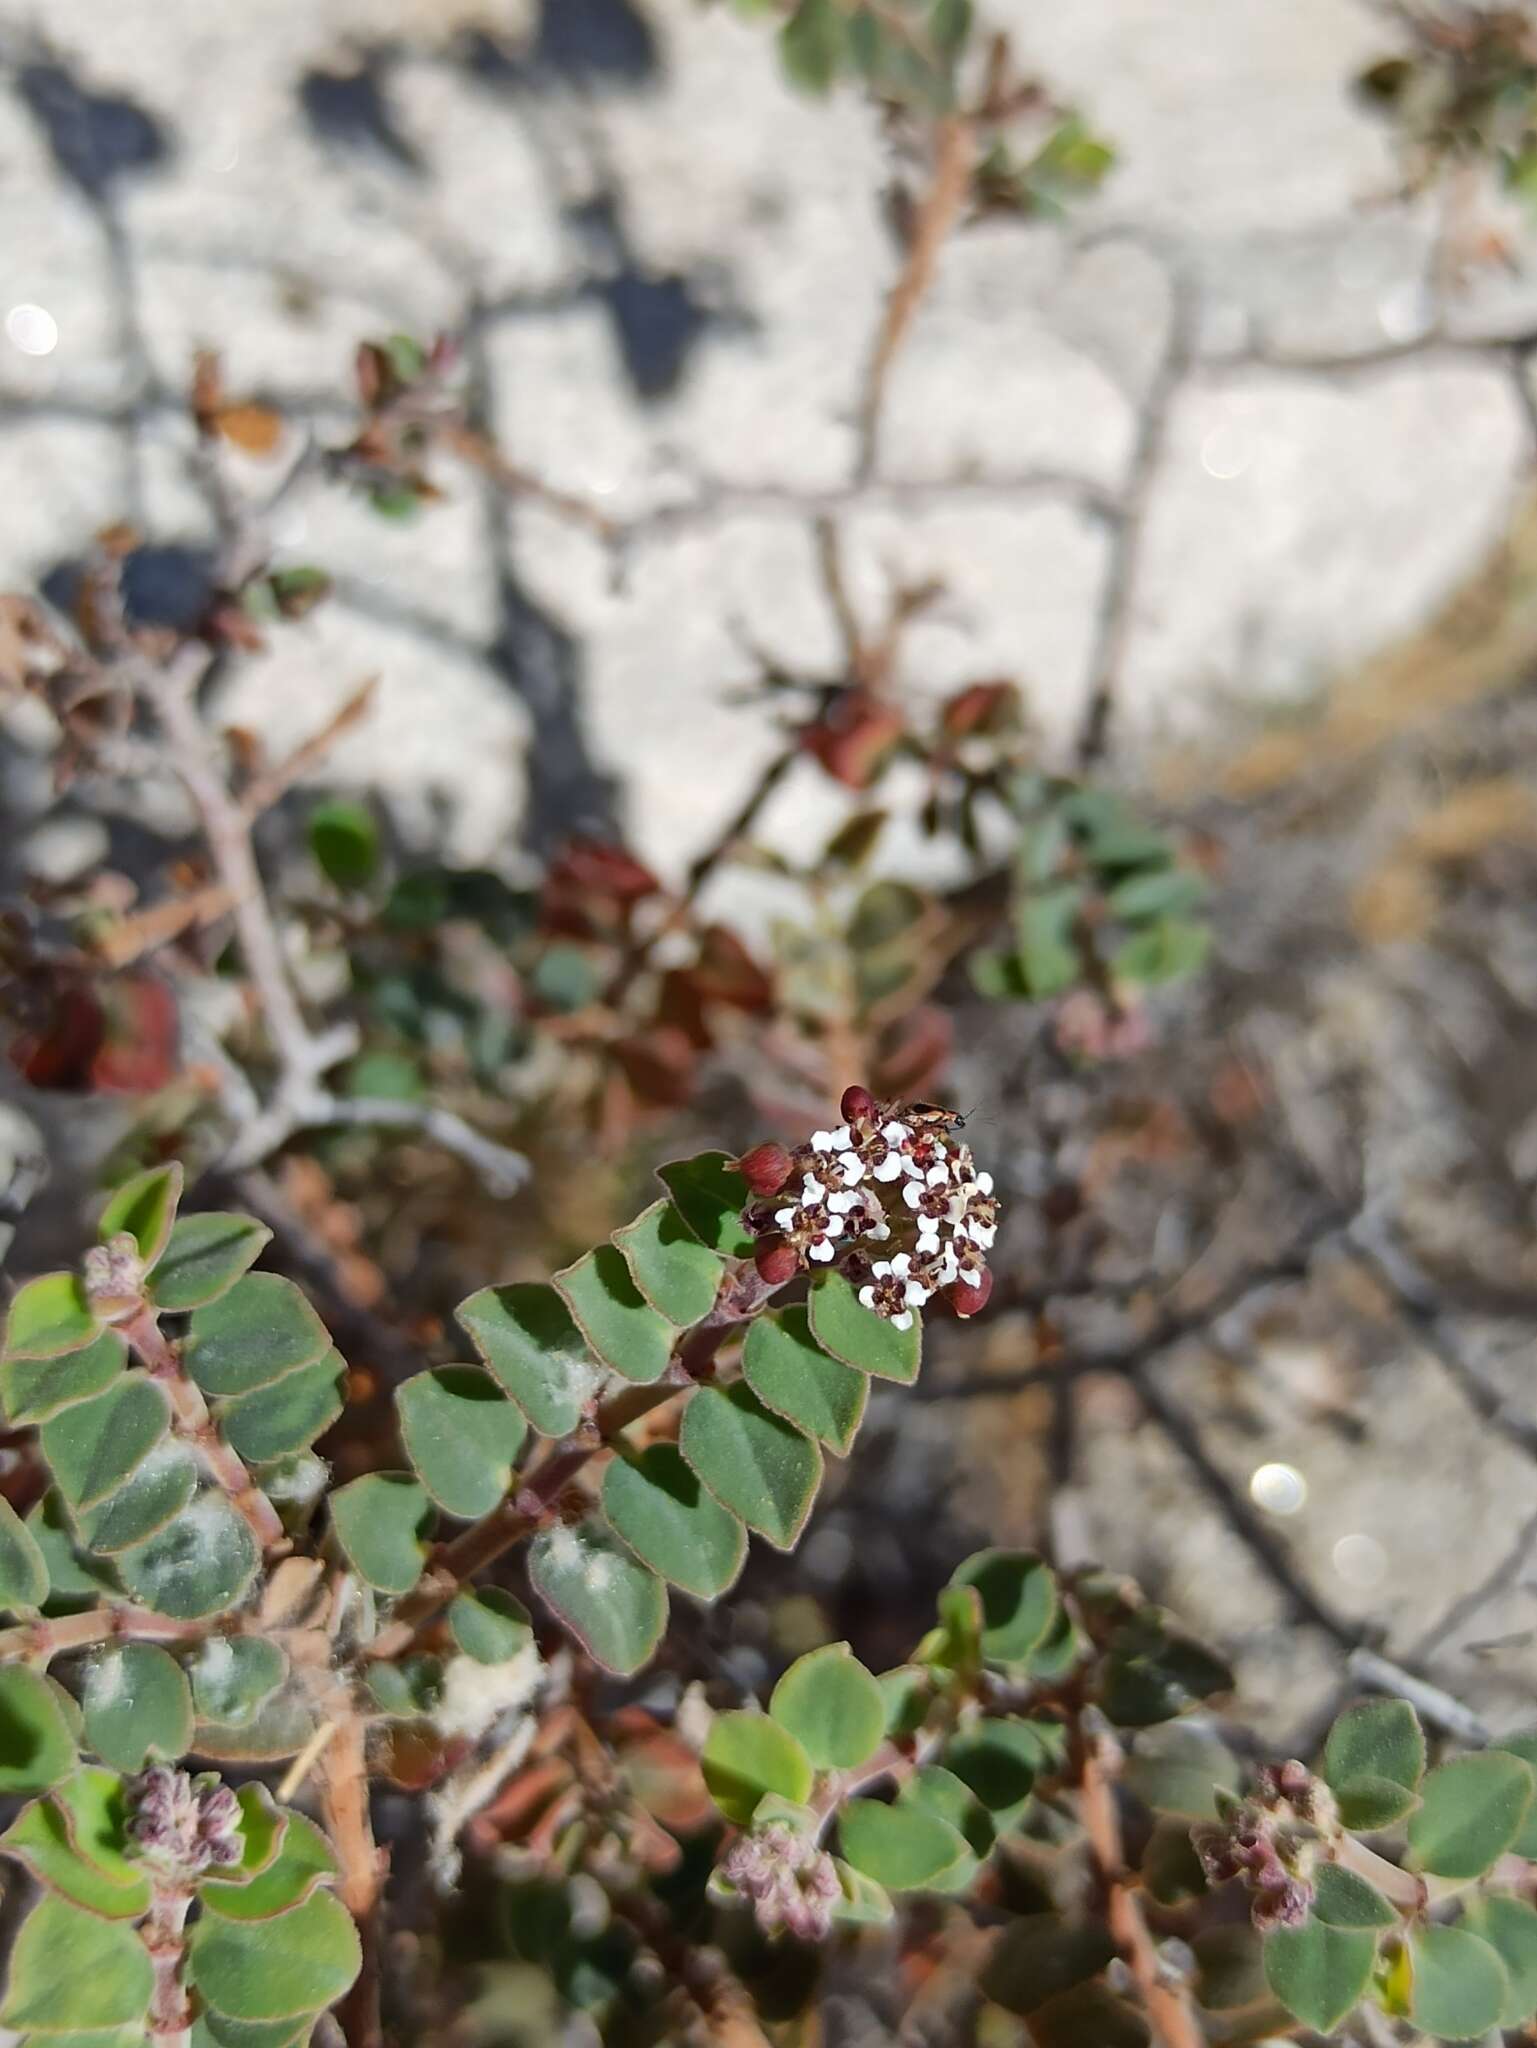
[(1524, 1746), (1369, 1803), (50, 1317), (23, 1574), (276, 1421), (70, 1970), (833, 1707), (197, 1565), (204, 1256), (901, 1847), (39, 1839), (304, 1861), (1376, 1739), (137, 1704), (614, 1606), (383, 1522), (1317, 1971), (144, 1207), (93, 1446), (678, 1275), (861, 1339), (242, 1971), (527, 1338), (1019, 1601), (461, 1433), (33, 1389), (753, 1462), (36, 1746), (1458, 1987), (622, 1327), (1041, 1955), (489, 1625), (159, 1487), (747, 1757), (1510, 1928), (1471, 1811), (232, 1675), (1341, 1899), (658, 1505), (790, 1372), (710, 1196), (252, 1335)]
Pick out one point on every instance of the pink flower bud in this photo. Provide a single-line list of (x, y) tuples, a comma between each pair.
[(776, 1261), (858, 1105), (766, 1168)]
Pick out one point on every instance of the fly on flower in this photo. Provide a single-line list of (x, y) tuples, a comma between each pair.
[(941, 1222)]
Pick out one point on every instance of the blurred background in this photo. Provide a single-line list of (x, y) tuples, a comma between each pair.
[(1209, 430)]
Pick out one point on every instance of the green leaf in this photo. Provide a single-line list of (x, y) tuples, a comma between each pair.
[(753, 1462), (999, 1761), (1342, 1899), (94, 1806), (263, 1824), (344, 838), (710, 1195), (462, 1435), (489, 1625), (1458, 1987), (908, 1693), (1088, 2016), (49, 1318), (157, 1488), (678, 1275), (526, 1336), (252, 1335), (618, 1322), (614, 1606), (657, 1504), (36, 1746), (864, 1903), (276, 1421), (1043, 924), (746, 1757), (1165, 951), (33, 1389), (204, 1257), (304, 1861), (217, 2030), (901, 1847), (75, 1578), (1510, 1928), (1019, 1601), (232, 1675), (1375, 1739), (198, 1565), (832, 1706), (852, 1333), (383, 1522), (1164, 892), (1369, 1803), (813, 45), (408, 1690), (93, 1446), (1472, 1811), (790, 1372), (250, 1972), (1152, 1671), (144, 1207), (1230, 1968), (1040, 1956), (1178, 1768), (23, 1573), (137, 1704), (1318, 1972), (70, 1970), (1171, 1870), (39, 1838), (1524, 1746)]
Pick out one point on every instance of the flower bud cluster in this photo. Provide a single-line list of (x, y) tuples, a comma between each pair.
[(1272, 1842), (889, 1174), (182, 1826), (792, 1883)]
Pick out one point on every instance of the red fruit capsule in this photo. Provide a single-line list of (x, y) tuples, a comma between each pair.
[(858, 1105), (776, 1261), (966, 1299), (765, 1168)]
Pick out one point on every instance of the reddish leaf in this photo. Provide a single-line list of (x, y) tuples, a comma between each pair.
[(986, 708), (254, 429), (140, 1052), (914, 1053), (658, 1064), (726, 972), (853, 737)]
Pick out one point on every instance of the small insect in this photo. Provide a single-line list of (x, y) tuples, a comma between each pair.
[(932, 1116)]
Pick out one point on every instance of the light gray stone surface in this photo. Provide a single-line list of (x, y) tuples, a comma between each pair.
[(1294, 519)]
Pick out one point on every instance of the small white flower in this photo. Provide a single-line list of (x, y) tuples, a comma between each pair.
[(879, 1231), (892, 1167), (984, 1181), (822, 1250), (822, 1141), (972, 1276), (904, 1321), (840, 1204), (785, 1218), (851, 1168), (982, 1235), (895, 1133)]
